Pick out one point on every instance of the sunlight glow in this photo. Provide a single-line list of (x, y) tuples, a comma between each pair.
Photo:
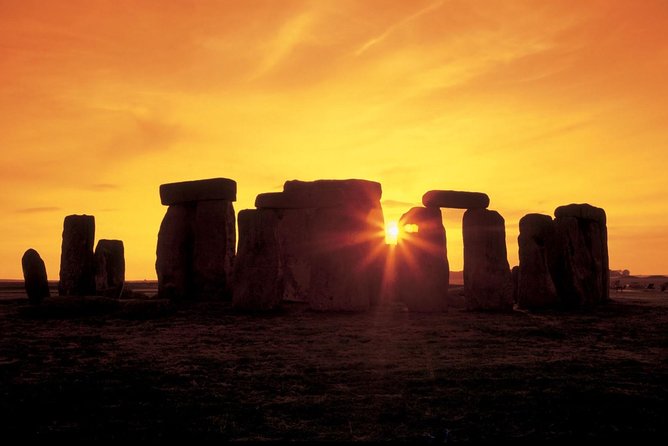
[(391, 233), (411, 228)]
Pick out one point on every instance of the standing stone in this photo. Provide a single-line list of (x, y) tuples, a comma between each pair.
[(195, 252), (344, 272), (295, 241), (77, 268), (537, 253), (455, 199), (174, 252), (423, 269), (582, 273), (487, 280), (257, 272), (109, 268), (34, 275), (213, 254)]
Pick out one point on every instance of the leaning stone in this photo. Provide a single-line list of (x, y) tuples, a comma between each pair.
[(77, 269), (257, 272), (537, 250), (213, 249), (109, 268), (174, 264), (199, 190), (34, 275), (487, 280), (455, 199), (423, 270)]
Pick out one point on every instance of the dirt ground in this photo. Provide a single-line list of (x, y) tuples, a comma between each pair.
[(150, 371)]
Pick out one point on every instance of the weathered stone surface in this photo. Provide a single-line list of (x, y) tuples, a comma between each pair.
[(423, 270), (195, 252), (199, 190), (487, 279), (258, 271), (214, 237), (455, 199), (295, 240), (582, 271), (34, 275), (331, 193), (77, 269), (537, 253), (174, 263), (109, 268), (345, 275)]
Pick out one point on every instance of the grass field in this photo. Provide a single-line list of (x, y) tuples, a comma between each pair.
[(203, 371)]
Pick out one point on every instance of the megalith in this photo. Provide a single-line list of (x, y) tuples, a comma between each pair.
[(537, 253), (257, 271), (329, 235), (77, 269), (34, 276), (455, 199), (487, 279), (109, 268), (422, 262), (582, 272), (195, 250)]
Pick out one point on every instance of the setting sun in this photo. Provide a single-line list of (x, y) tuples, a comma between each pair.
[(391, 233)]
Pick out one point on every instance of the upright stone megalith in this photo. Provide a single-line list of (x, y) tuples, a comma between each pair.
[(538, 256), (422, 263), (329, 235), (258, 272), (34, 275), (77, 269), (195, 251), (582, 273), (109, 268), (487, 279)]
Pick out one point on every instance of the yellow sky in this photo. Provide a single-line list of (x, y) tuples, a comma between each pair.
[(537, 103)]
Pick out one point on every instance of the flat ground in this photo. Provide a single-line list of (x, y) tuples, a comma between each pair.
[(202, 370)]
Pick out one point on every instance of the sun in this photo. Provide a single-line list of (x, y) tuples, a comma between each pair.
[(391, 233)]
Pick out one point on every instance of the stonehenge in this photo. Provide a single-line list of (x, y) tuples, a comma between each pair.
[(323, 239), (77, 266), (563, 262), (322, 243), (34, 276), (195, 250)]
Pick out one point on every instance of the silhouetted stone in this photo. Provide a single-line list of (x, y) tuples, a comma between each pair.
[(295, 240), (34, 275), (345, 268), (487, 280), (537, 253), (515, 275), (257, 272), (199, 190), (213, 250), (455, 199), (77, 269), (174, 264), (582, 272), (109, 268), (331, 193), (423, 270)]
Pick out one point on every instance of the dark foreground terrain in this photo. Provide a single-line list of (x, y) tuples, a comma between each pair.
[(203, 371)]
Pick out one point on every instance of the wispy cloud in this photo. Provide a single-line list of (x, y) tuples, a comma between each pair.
[(37, 210)]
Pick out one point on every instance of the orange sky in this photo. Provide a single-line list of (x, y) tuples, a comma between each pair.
[(536, 103)]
